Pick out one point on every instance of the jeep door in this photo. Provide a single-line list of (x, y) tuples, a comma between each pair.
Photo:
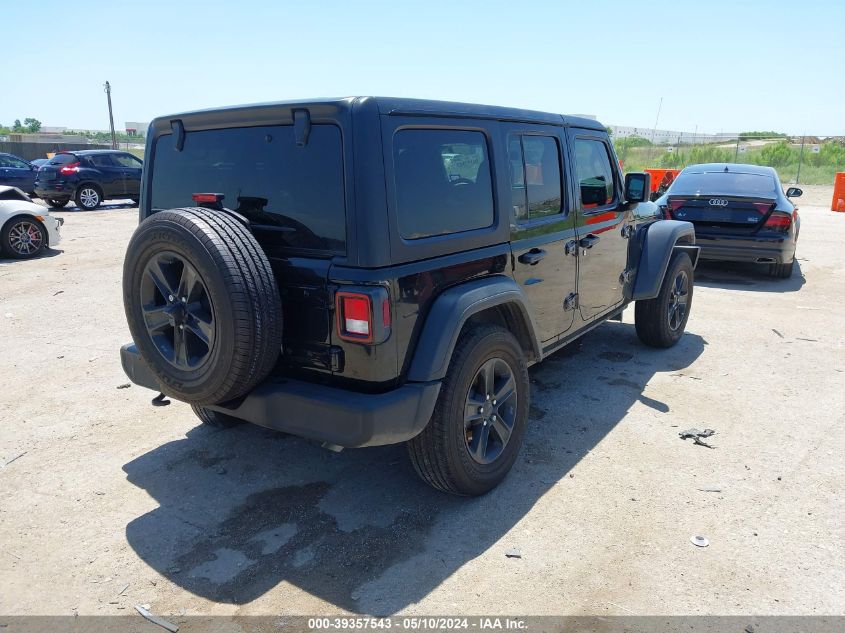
[(602, 223), (542, 226)]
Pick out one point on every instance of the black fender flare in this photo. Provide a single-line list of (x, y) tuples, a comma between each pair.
[(659, 241), (451, 310)]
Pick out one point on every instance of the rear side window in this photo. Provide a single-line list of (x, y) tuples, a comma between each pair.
[(534, 163), (595, 176), (125, 160), (443, 182), (101, 160), (294, 196)]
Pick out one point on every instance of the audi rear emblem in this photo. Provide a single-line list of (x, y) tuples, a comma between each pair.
[(718, 202)]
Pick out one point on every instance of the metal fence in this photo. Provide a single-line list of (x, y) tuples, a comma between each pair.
[(807, 159), (31, 151)]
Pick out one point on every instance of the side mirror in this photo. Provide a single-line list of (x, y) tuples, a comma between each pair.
[(793, 192), (637, 186)]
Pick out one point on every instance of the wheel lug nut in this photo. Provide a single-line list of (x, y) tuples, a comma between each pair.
[(485, 422), (170, 297), (494, 403), (181, 327), (488, 396), (481, 409), (184, 299)]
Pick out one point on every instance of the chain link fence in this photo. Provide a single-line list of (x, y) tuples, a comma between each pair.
[(809, 160)]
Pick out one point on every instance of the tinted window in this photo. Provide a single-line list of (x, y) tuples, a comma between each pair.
[(63, 159), (595, 176), (125, 160), (101, 160), (724, 183), (534, 164), (443, 182), (294, 196), (14, 162)]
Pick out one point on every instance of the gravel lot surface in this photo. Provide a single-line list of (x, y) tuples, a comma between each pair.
[(107, 502)]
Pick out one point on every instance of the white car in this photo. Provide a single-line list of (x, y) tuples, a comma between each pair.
[(26, 228)]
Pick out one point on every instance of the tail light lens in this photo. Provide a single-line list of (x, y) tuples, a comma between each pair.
[(779, 221), (354, 317), (72, 168)]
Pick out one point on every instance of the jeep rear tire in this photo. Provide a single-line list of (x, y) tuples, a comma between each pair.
[(476, 431), (215, 419), (202, 304), (661, 321)]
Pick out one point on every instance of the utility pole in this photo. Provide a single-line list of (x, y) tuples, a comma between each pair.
[(107, 88), (800, 160), (654, 129)]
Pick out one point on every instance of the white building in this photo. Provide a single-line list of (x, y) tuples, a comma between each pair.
[(670, 137), (137, 127)]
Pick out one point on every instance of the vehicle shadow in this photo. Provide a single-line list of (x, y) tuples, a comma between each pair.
[(114, 204), (745, 276), (243, 509), (47, 252)]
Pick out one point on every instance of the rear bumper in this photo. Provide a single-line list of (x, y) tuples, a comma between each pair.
[(54, 190), (762, 251), (317, 412)]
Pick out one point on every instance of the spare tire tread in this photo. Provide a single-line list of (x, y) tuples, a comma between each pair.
[(251, 292)]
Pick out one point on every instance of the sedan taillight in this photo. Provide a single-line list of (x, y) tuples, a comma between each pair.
[(779, 221)]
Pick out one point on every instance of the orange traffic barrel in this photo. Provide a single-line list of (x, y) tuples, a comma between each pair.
[(838, 202), (661, 178)]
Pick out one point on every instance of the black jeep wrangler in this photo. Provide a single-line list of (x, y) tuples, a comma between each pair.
[(368, 271)]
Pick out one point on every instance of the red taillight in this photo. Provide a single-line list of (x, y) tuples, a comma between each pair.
[(355, 317), (69, 169), (779, 221), (207, 197)]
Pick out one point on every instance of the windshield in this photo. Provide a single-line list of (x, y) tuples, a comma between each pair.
[(724, 184), (293, 196)]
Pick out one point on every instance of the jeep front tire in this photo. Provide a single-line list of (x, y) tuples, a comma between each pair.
[(661, 321)]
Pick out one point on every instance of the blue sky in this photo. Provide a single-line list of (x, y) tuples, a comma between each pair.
[(721, 66)]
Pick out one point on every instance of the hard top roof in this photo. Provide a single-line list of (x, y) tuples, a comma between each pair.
[(393, 105)]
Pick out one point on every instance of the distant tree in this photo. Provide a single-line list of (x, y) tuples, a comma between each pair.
[(750, 136), (778, 154), (32, 125), (16, 126)]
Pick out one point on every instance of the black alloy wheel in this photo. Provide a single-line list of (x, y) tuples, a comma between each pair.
[(177, 311), (490, 411), (678, 296)]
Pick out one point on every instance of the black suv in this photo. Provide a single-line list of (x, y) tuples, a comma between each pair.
[(368, 271), (88, 177)]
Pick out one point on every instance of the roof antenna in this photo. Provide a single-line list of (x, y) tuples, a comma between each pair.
[(726, 168)]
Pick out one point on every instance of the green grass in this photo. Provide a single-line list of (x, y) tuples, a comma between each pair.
[(816, 169)]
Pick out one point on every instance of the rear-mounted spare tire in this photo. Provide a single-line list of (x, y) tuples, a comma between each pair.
[(202, 304)]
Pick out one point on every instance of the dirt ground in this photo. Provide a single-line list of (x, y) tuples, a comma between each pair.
[(107, 502)]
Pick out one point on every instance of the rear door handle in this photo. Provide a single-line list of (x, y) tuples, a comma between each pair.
[(532, 257), (589, 241)]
